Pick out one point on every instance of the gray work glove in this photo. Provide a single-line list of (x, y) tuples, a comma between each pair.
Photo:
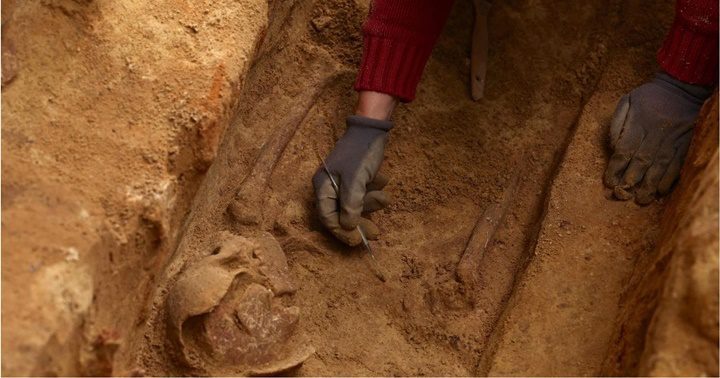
[(650, 135), (354, 163)]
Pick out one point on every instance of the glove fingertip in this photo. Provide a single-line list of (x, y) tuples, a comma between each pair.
[(379, 182), (644, 197), (616, 169), (622, 193), (351, 238), (375, 200), (610, 180), (666, 184), (349, 220), (370, 229)]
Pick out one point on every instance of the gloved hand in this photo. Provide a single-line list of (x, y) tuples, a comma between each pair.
[(354, 164), (650, 135)]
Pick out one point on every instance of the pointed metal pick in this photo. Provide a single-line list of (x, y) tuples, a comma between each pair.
[(335, 186)]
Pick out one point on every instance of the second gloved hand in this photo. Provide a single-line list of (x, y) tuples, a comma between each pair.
[(354, 164), (650, 135)]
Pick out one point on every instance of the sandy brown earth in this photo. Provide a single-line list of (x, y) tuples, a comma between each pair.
[(111, 114), (157, 206)]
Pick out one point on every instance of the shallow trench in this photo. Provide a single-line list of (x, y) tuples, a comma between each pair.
[(449, 158)]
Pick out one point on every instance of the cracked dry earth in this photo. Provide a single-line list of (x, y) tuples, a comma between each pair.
[(248, 283)]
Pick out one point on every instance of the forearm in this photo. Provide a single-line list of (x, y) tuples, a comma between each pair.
[(399, 36), (375, 105)]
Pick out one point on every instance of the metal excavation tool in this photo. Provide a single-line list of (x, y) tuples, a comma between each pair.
[(337, 192)]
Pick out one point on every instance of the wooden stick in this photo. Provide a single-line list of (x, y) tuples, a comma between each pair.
[(479, 50)]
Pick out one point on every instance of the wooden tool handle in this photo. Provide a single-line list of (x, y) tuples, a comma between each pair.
[(479, 50)]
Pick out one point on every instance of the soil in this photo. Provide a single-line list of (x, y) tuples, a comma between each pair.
[(112, 248), (564, 304)]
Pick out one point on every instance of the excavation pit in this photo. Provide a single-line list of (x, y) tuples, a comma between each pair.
[(213, 142)]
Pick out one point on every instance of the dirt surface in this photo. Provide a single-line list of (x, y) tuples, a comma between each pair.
[(565, 303), (154, 229)]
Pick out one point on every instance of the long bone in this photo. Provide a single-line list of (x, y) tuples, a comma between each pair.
[(468, 269)]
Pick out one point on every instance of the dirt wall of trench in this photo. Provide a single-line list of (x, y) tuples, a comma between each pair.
[(668, 324), (111, 114)]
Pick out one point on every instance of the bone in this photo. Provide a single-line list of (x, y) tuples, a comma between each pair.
[(201, 287), (244, 206), (468, 269), (225, 316), (274, 266), (254, 331)]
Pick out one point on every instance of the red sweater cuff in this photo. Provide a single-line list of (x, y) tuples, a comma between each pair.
[(690, 50), (399, 36), (392, 66)]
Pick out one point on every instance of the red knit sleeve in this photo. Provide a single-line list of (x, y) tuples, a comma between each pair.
[(690, 50), (398, 38)]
